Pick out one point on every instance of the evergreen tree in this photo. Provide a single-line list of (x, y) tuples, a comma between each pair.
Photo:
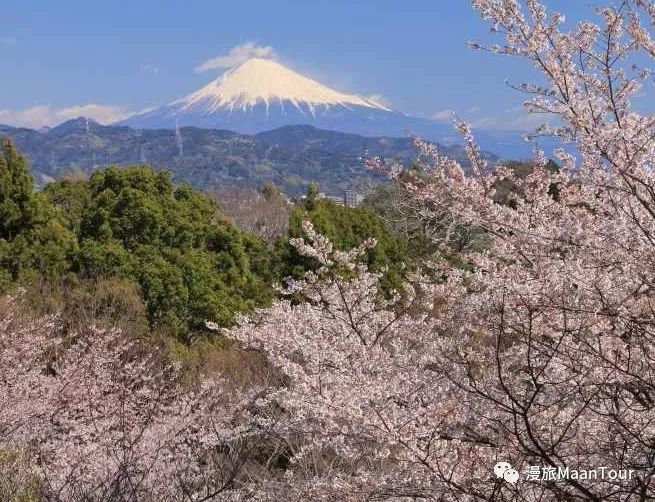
[(190, 264), (17, 201), (32, 239)]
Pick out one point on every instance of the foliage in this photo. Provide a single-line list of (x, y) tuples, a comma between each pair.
[(31, 235), (347, 227), (71, 197), (424, 226), (507, 192), (406, 216), (17, 202), (188, 261), (133, 224), (17, 483)]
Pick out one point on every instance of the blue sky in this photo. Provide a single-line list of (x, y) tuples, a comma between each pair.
[(104, 58)]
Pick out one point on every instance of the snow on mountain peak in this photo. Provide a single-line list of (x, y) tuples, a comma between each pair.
[(266, 81)]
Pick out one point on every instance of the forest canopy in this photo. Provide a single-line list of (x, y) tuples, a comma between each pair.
[(181, 259)]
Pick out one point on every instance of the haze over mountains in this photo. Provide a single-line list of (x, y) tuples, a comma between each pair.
[(290, 156)]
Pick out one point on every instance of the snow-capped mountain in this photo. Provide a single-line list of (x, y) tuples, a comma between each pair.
[(261, 94), (268, 83)]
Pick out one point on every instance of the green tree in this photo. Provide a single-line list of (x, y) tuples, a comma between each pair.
[(188, 261), (346, 227), (312, 196), (71, 198), (18, 205), (32, 237)]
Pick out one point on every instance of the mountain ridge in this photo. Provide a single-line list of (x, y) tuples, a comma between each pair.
[(291, 156)]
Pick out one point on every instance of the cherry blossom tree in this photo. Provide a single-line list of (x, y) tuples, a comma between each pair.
[(360, 411), (539, 351), (93, 416), (535, 348)]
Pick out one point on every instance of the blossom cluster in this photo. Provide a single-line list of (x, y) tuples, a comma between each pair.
[(94, 416), (537, 349)]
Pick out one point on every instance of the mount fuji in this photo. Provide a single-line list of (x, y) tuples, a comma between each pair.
[(261, 94)]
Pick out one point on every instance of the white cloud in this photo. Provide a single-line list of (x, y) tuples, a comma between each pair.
[(237, 55), (47, 115), (8, 41), (444, 115)]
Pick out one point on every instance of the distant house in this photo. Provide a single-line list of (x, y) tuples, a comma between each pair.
[(350, 198)]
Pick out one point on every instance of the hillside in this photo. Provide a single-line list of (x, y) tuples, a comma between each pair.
[(291, 156)]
